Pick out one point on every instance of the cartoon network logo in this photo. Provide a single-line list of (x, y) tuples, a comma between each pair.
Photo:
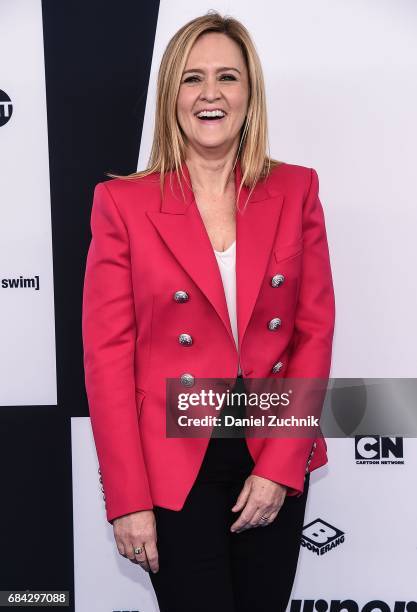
[(379, 450), (320, 537), (350, 605)]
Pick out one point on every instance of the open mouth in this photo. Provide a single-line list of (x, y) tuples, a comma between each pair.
[(211, 117)]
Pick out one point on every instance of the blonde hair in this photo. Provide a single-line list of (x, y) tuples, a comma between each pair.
[(169, 146)]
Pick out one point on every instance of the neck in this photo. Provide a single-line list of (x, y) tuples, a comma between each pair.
[(212, 177)]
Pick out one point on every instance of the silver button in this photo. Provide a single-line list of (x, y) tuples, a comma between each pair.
[(277, 280), (274, 324), (185, 339), (276, 368), (187, 379), (181, 296), (314, 444)]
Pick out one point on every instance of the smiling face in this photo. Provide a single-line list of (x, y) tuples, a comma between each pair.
[(215, 78)]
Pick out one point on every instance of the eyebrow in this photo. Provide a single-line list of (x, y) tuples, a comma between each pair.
[(218, 69)]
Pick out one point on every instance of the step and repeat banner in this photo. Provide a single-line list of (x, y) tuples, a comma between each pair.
[(77, 100)]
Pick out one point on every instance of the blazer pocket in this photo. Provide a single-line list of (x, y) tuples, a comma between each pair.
[(286, 251), (140, 396)]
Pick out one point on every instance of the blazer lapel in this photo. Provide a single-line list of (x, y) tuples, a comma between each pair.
[(181, 227)]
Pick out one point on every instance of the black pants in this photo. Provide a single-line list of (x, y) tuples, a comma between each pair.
[(203, 566)]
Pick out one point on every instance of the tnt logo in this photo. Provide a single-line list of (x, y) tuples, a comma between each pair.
[(379, 450), (6, 108), (320, 537)]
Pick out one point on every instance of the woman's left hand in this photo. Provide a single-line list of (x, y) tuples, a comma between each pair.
[(259, 497)]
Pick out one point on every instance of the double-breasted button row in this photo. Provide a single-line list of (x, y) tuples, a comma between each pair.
[(181, 296), (184, 339), (275, 323), (101, 484)]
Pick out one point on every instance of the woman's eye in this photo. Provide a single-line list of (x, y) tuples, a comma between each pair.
[(193, 78)]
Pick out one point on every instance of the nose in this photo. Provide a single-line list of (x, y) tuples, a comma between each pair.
[(210, 89)]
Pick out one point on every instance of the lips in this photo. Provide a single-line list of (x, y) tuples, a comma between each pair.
[(211, 118), (210, 110), (211, 114)]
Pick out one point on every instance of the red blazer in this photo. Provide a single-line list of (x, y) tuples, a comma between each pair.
[(143, 250)]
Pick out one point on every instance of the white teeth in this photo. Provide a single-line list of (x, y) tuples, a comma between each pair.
[(214, 113)]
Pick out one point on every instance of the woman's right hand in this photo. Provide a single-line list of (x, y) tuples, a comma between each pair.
[(137, 529)]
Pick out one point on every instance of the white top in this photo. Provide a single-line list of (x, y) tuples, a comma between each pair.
[(227, 266)]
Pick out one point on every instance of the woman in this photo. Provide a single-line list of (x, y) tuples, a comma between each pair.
[(212, 263)]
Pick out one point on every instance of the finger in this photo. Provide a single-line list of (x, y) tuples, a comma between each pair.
[(270, 520), (144, 565), (142, 561), (141, 558), (132, 556), (152, 555), (121, 549), (244, 518), (242, 498), (257, 517)]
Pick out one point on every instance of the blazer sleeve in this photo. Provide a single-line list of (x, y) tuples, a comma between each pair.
[(109, 336), (284, 460)]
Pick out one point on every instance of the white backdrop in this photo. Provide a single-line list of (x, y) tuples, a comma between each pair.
[(27, 313), (341, 93)]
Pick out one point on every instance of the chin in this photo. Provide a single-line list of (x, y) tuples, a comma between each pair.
[(212, 145), (211, 142)]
